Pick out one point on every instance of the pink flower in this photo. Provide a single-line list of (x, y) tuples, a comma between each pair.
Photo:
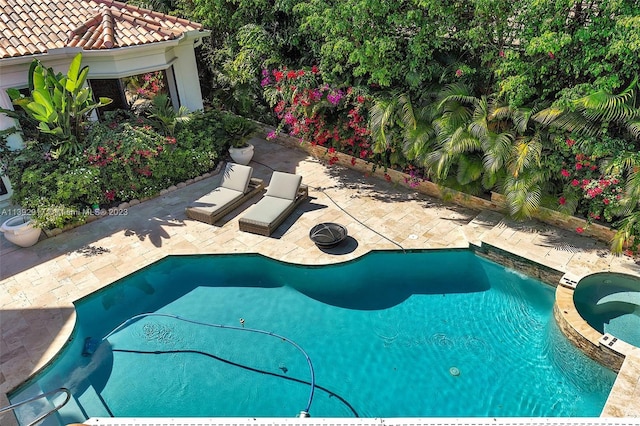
[(579, 230), (565, 173)]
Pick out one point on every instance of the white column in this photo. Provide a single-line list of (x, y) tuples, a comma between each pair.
[(185, 70)]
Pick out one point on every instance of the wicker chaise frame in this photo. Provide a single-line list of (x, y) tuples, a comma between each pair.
[(266, 229), (255, 186)]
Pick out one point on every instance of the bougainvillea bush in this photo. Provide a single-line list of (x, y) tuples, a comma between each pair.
[(318, 113), (593, 181)]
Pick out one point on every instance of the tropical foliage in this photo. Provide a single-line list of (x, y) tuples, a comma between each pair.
[(534, 99), (60, 103)]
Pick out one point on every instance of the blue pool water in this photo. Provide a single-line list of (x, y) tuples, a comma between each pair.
[(393, 334)]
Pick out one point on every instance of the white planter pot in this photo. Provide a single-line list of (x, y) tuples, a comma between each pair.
[(242, 155), (20, 231)]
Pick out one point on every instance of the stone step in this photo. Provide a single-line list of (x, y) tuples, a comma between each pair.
[(481, 225)]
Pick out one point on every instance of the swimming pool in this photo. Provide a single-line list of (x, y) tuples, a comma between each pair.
[(610, 303), (392, 334)]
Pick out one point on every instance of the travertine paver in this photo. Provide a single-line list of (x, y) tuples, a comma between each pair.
[(40, 283)]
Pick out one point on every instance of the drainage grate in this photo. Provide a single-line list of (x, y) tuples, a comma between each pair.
[(569, 281)]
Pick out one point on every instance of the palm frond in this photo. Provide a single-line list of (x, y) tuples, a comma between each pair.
[(548, 115), (633, 126), (380, 117), (461, 141), (469, 169), (625, 233), (604, 100), (407, 115), (497, 150), (526, 153), (569, 121), (523, 195)]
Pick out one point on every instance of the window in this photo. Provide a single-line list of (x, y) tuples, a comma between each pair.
[(134, 92)]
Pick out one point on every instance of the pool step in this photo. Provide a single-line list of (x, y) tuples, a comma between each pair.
[(30, 411), (89, 403), (481, 225)]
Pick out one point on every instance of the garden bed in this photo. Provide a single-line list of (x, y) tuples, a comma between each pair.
[(497, 202)]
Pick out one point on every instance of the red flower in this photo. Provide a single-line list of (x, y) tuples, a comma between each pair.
[(579, 230), (565, 173), (562, 201)]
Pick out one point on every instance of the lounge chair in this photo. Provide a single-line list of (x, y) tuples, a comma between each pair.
[(284, 194), (237, 186)]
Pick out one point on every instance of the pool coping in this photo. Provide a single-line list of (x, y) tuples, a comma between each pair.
[(338, 421)]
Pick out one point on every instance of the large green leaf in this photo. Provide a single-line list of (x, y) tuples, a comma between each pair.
[(73, 73)]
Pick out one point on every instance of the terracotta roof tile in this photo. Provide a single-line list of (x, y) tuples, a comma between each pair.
[(34, 26)]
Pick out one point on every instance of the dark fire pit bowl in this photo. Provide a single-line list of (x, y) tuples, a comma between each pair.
[(326, 235)]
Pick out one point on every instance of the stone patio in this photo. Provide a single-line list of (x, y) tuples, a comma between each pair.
[(39, 284)]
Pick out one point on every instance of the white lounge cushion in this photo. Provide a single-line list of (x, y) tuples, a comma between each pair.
[(236, 177), (284, 185), (216, 199), (267, 210)]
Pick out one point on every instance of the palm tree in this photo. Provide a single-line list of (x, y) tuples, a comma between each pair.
[(395, 121), (466, 142), (603, 112)]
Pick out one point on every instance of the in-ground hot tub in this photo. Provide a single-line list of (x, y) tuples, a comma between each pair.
[(610, 303)]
